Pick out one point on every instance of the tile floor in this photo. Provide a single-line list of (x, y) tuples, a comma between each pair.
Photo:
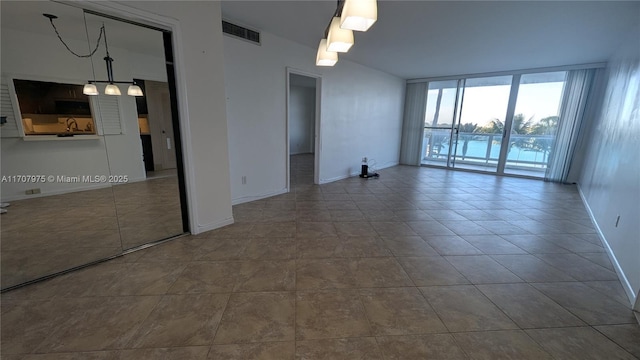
[(421, 263)]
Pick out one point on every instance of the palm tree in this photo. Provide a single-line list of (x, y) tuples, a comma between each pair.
[(465, 132), (544, 144), (520, 125)]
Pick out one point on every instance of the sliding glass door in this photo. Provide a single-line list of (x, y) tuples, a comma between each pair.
[(501, 124), (481, 122), (440, 118)]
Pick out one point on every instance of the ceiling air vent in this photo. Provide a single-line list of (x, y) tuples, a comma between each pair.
[(241, 32)]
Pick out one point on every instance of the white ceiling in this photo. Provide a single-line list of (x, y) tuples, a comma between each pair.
[(413, 39)]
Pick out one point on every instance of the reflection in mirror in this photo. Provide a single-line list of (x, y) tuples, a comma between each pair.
[(55, 220), (98, 189), (148, 204), (49, 108)]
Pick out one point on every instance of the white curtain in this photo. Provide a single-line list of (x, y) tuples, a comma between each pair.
[(415, 105), (572, 108)]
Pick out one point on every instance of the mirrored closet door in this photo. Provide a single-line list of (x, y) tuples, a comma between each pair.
[(85, 175)]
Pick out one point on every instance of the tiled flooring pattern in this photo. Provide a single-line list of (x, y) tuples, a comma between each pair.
[(45, 235), (419, 264)]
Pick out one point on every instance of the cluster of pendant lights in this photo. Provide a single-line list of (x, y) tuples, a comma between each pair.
[(90, 87), (111, 89), (356, 15)]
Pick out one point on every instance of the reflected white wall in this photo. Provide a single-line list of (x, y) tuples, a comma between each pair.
[(112, 154)]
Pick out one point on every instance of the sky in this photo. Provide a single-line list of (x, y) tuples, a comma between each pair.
[(481, 104)]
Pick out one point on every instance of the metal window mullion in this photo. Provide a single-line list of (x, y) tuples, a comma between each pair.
[(508, 123)]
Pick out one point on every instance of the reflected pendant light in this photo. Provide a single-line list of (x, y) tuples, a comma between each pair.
[(90, 89), (134, 90), (324, 57), (359, 15), (339, 40), (112, 89)]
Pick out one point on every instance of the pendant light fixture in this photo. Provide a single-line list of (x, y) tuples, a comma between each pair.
[(134, 90), (112, 89), (90, 88), (359, 15), (325, 57), (338, 36), (339, 40)]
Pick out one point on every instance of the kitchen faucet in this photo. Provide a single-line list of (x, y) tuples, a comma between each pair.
[(70, 123)]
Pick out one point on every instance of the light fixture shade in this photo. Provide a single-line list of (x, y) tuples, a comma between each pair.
[(339, 40), (359, 15), (112, 89), (324, 57), (90, 89), (134, 90)]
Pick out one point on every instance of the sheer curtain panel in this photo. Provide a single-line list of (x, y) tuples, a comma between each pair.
[(415, 105), (572, 109)]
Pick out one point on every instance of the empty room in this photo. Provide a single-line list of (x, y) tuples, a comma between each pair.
[(351, 179)]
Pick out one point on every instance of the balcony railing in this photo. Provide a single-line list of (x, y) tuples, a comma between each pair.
[(526, 152)]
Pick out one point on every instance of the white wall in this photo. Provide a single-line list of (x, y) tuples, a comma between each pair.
[(302, 112), (361, 115), (610, 180), (197, 36), (111, 154)]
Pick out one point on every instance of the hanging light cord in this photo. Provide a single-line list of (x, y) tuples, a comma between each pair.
[(67, 46), (86, 31), (337, 13)]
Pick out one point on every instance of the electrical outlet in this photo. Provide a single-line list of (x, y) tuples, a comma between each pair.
[(244, 180)]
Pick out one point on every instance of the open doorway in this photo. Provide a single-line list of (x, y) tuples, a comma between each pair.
[(156, 129), (303, 98)]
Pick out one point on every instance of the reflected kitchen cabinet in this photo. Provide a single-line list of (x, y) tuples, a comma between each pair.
[(50, 108)]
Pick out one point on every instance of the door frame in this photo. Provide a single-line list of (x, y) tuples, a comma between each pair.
[(317, 138)]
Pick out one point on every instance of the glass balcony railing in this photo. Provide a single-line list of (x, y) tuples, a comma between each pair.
[(526, 152)]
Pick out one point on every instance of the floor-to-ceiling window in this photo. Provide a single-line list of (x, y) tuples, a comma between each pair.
[(503, 124)]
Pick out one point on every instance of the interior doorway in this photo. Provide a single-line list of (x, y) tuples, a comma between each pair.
[(303, 145), (160, 125)]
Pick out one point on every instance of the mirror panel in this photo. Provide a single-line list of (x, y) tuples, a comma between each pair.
[(148, 204), (97, 189)]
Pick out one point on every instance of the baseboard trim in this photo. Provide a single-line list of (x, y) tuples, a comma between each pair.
[(199, 229), (356, 173), (245, 199), (626, 285)]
